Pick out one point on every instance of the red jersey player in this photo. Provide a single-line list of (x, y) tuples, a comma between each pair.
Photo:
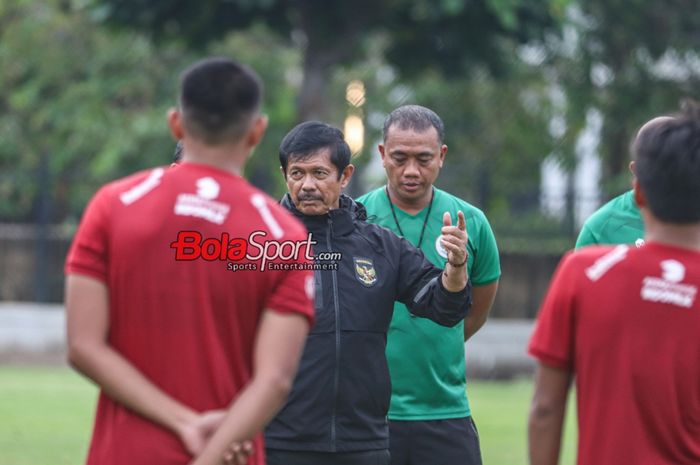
[(624, 322), (189, 355)]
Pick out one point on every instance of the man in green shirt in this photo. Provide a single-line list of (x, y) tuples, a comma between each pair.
[(429, 417), (618, 221)]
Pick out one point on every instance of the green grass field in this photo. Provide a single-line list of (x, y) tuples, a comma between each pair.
[(46, 417)]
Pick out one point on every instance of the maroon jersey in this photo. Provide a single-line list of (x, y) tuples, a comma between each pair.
[(188, 325), (626, 322)]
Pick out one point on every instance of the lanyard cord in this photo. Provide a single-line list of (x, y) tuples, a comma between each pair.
[(425, 221)]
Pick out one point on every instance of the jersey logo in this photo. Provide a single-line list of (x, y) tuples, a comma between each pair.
[(673, 271), (364, 271), (639, 242), (208, 188), (668, 289), (607, 261), (439, 248), (202, 204)]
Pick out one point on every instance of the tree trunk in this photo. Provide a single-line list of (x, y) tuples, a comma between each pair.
[(313, 98)]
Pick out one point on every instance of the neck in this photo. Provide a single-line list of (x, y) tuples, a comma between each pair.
[(410, 206), (230, 157), (686, 236)]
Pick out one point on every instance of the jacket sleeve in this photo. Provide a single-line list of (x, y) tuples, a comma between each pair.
[(420, 288)]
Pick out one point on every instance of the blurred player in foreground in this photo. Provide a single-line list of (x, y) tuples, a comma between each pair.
[(189, 356), (624, 322)]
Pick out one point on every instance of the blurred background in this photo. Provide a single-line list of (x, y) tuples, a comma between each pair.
[(540, 99)]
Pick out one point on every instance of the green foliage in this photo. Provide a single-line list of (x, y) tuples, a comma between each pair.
[(631, 60), (91, 102), (496, 131), (277, 67), (452, 35), (455, 36), (196, 24)]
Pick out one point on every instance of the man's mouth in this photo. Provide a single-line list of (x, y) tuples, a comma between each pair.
[(411, 186), (309, 198)]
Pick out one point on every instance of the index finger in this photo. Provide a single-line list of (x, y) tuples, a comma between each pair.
[(461, 222)]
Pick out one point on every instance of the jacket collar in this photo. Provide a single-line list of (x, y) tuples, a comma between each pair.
[(340, 220)]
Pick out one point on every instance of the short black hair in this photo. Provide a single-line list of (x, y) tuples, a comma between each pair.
[(218, 98), (667, 165), (415, 117), (311, 136)]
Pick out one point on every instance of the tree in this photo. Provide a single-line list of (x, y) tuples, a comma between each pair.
[(82, 107), (88, 105), (631, 60), (450, 34)]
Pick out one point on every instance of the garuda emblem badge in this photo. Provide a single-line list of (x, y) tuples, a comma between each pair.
[(364, 271)]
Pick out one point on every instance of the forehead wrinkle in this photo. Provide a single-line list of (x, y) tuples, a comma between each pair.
[(410, 150), (413, 134)]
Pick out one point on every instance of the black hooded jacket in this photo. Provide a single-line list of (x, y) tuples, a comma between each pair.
[(341, 393)]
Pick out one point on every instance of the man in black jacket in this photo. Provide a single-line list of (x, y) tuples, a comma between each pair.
[(336, 413)]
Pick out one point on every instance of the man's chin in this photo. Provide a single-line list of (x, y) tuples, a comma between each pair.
[(312, 208), (411, 194)]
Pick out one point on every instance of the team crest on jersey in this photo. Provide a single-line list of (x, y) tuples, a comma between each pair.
[(439, 248), (364, 271)]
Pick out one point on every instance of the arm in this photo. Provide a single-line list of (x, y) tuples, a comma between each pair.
[(278, 348), (547, 414), (482, 301), (441, 296), (87, 307)]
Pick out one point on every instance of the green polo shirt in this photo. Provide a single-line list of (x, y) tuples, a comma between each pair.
[(616, 222), (426, 360)]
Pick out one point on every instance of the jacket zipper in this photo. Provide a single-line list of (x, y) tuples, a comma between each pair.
[(336, 379)]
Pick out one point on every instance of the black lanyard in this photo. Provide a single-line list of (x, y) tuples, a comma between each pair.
[(425, 221)]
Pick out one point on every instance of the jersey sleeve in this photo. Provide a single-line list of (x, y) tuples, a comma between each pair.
[(552, 341), (294, 288), (487, 266), (88, 254)]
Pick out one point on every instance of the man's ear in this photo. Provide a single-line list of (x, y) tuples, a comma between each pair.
[(639, 197), (257, 130), (284, 175), (631, 167), (443, 152), (381, 152), (347, 174), (175, 123)]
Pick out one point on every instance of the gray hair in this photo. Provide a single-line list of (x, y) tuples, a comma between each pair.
[(414, 117)]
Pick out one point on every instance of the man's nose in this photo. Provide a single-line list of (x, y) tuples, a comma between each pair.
[(412, 168), (308, 183)]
